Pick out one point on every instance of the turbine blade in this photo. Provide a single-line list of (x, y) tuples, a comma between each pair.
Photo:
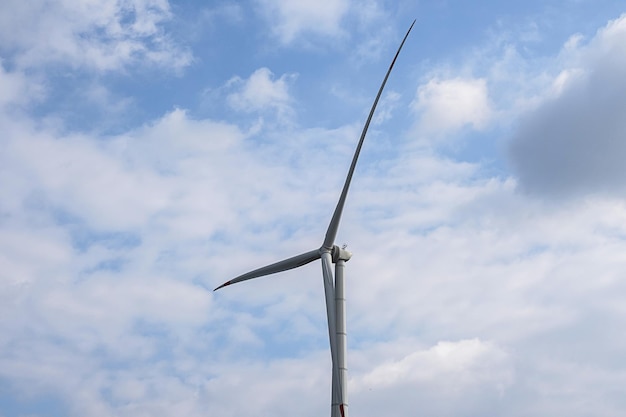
[(279, 266), (329, 292), (331, 232)]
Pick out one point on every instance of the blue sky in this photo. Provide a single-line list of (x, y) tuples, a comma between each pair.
[(151, 150)]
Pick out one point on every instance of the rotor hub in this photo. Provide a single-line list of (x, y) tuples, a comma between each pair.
[(340, 254)]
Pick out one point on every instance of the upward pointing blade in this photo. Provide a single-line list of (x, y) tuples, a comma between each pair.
[(331, 233), (280, 266)]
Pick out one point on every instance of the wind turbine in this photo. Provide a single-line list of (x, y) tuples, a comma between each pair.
[(334, 287)]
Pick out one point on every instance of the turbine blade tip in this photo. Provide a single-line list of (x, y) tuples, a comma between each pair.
[(223, 285)]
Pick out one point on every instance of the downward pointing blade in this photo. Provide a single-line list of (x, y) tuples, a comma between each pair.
[(331, 233), (280, 266), (329, 293)]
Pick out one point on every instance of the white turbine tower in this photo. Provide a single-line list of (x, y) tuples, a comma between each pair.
[(333, 287)]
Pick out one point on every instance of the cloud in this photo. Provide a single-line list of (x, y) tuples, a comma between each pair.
[(17, 89), (461, 362), (290, 20), (109, 248), (434, 379), (574, 141), (260, 92), (92, 35), (123, 181), (92, 288), (460, 290), (447, 105)]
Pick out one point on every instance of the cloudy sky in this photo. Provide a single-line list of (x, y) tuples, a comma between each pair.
[(151, 150)]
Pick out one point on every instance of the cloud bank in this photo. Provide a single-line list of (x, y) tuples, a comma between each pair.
[(574, 142)]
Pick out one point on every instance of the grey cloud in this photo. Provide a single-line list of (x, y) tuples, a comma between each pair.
[(575, 143)]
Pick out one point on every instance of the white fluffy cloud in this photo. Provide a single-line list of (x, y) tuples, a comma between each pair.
[(452, 279), (434, 379), (450, 104), (16, 89), (291, 19), (260, 92), (463, 363), (95, 35)]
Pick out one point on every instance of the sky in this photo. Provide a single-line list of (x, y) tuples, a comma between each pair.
[(151, 150)]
